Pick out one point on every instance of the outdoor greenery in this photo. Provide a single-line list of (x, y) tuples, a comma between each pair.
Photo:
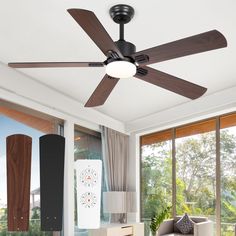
[(195, 177), (195, 157)]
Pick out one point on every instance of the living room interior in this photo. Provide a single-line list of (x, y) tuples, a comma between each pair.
[(154, 118)]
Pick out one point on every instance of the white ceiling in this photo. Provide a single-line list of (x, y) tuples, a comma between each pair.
[(33, 30)]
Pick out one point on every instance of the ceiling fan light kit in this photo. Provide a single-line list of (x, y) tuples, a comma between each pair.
[(121, 69), (122, 60)]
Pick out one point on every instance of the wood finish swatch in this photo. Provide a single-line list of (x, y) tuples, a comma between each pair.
[(52, 152), (18, 181)]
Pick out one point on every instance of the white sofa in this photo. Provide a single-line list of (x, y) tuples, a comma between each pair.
[(202, 227)]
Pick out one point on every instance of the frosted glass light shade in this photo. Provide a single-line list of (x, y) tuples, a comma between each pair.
[(121, 69)]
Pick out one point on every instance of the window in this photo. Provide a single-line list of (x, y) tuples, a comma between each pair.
[(87, 146), (228, 174), (13, 121), (156, 164), (195, 169), (200, 171)]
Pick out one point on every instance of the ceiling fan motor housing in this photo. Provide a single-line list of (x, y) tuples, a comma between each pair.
[(126, 48)]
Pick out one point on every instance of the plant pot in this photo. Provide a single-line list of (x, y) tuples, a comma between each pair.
[(151, 234)]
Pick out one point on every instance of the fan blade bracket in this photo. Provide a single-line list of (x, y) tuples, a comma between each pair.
[(111, 78), (141, 72), (141, 59), (112, 54), (96, 64)]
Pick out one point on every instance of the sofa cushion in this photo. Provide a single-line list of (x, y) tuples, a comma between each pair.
[(176, 230), (185, 224), (198, 219), (176, 234)]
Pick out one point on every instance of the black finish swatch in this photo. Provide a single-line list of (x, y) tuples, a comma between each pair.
[(52, 155)]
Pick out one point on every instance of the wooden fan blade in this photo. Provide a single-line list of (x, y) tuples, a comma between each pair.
[(95, 30), (102, 91), (195, 44), (54, 64), (18, 181), (170, 82)]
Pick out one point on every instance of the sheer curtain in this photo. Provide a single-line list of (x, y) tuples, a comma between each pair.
[(115, 147)]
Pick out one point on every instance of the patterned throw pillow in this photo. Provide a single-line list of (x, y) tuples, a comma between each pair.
[(184, 224)]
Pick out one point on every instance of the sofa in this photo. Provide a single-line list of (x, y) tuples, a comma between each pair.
[(202, 227)]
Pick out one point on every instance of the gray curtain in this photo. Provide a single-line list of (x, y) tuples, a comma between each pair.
[(115, 147)]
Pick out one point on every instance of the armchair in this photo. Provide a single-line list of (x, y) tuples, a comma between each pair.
[(202, 227)]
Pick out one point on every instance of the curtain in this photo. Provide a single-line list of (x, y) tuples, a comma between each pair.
[(115, 147)]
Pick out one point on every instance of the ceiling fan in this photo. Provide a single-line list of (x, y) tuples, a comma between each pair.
[(122, 60)]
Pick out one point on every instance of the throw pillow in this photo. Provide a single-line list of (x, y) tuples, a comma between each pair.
[(184, 224)]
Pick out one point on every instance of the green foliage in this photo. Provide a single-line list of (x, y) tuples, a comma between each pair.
[(158, 218), (35, 213), (3, 215), (156, 195)]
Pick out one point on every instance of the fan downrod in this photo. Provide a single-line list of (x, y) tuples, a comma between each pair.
[(122, 14)]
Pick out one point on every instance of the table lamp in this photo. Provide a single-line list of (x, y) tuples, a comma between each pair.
[(119, 202)]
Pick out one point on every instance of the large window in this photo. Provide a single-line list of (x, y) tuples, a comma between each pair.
[(88, 146), (16, 122), (156, 165), (195, 169), (228, 174), (201, 172)]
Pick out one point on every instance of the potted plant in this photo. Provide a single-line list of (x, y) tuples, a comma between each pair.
[(158, 218)]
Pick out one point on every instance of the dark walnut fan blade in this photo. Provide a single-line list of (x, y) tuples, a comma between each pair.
[(170, 82), (195, 44), (102, 91), (54, 64), (95, 30)]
